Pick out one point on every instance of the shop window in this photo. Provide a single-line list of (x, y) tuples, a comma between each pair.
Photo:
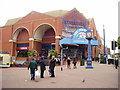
[(47, 47), (23, 45), (22, 53)]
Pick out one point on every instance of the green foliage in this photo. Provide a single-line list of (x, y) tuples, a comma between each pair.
[(3, 52), (32, 53), (117, 54), (53, 53), (101, 58), (118, 42)]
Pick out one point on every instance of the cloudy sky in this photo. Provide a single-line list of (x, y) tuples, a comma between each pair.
[(105, 12)]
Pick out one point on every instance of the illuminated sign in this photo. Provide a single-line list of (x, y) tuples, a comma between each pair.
[(22, 48), (80, 33), (70, 24)]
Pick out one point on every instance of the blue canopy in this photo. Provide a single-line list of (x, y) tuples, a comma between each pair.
[(77, 41)]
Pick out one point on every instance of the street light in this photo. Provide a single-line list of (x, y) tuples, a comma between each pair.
[(61, 62), (104, 59), (61, 58), (89, 59)]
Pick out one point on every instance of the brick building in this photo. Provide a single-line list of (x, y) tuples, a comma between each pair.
[(42, 32)]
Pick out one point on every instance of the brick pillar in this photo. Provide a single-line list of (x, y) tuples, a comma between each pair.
[(57, 47), (31, 43), (13, 49), (37, 46)]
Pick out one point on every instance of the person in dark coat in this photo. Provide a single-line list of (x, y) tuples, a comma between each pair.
[(116, 63), (74, 62), (33, 66), (68, 63), (52, 66), (42, 67)]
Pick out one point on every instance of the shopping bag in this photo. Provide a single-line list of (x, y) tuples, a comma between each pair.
[(49, 71), (37, 73)]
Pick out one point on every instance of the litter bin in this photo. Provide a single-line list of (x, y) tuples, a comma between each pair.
[(82, 62), (109, 61)]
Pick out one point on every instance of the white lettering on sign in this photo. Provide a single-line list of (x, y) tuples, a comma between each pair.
[(24, 48)]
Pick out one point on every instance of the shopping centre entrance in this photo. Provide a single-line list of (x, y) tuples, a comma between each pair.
[(74, 50)]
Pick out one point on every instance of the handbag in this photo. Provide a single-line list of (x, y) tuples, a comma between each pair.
[(37, 73)]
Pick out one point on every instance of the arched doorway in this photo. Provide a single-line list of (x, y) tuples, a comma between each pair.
[(44, 37), (21, 43)]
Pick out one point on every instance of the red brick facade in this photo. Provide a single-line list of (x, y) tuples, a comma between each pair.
[(34, 27)]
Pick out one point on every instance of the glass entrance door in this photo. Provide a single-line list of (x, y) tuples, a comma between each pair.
[(46, 48)]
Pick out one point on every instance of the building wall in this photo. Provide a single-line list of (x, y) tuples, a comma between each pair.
[(37, 46), (23, 37), (33, 21), (6, 36), (0, 39), (49, 36), (30, 22)]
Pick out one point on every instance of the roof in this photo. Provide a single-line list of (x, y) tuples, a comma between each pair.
[(12, 21), (56, 13)]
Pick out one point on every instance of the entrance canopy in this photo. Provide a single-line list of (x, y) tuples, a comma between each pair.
[(78, 37), (77, 41)]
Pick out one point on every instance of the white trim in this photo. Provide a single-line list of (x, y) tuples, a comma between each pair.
[(57, 37), (31, 39), (17, 31)]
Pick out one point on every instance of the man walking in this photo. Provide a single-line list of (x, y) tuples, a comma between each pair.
[(42, 66), (52, 66), (68, 63), (74, 62), (116, 62), (33, 66)]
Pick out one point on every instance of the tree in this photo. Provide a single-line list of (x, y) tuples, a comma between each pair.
[(53, 53), (102, 58), (32, 53)]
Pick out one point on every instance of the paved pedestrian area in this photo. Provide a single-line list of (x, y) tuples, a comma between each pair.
[(101, 76)]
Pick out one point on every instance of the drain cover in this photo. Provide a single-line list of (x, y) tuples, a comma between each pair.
[(53, 82), (36, 81)]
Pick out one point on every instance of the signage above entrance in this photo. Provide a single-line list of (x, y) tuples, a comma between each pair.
[(78, 37), (77, 41), (79, 33), (74, 22), (22, 48)]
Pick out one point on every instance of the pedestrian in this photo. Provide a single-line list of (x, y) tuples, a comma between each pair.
[(33, 66), (68, 63), (74, 62), (42, 66), (49, 70), (52, 66), (116, 62)]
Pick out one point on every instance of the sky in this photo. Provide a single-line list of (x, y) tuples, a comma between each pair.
[(104, 12)]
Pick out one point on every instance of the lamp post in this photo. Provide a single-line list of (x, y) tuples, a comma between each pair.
[(61, 63), (104, 46), (89, 59)]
